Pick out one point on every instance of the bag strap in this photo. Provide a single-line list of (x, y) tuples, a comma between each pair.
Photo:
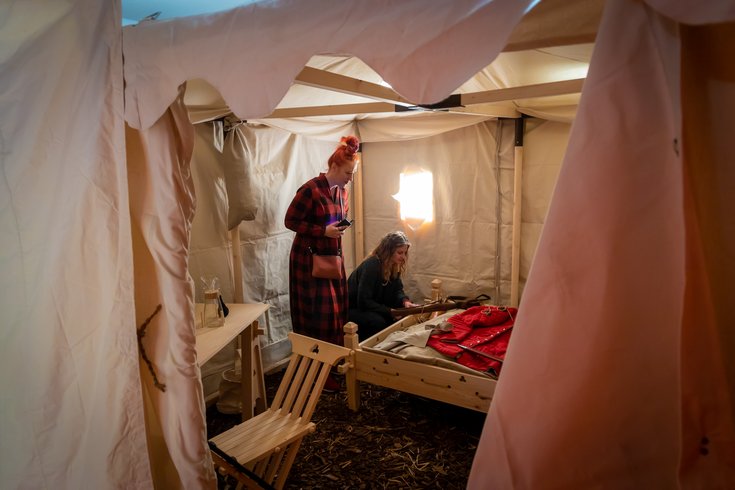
[(312, 252), (466, 302)]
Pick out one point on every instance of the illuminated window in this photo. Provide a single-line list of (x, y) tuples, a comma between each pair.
[(415, 195)]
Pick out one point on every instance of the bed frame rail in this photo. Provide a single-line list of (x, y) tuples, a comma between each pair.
[(462, 389)]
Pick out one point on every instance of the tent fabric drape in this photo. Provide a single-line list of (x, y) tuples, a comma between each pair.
[(200, 47), (614, 376), (708, 339), (71, 411), (162, 209), (509, 69)]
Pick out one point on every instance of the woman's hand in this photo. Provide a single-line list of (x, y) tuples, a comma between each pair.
[(406, 304), (333, 231)]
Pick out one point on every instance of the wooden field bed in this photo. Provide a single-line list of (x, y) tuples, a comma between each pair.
[(461, 388)]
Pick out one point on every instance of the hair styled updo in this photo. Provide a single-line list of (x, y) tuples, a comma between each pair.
[(346, 152)]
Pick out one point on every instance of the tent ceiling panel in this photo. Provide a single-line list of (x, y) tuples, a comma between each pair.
[(341, 85), (557, 23), (519, 76), (531, 67), (461, 37)]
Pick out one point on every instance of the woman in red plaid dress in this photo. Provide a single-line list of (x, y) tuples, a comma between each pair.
[(319, 306)]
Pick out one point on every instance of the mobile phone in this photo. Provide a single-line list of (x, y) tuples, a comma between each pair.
[(345, 222)]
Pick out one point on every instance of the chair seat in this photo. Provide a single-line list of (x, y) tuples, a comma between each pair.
[(261, 436), (266, 445)]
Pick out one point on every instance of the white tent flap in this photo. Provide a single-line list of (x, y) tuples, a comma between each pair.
[(461, 37), (71, 411), (599, 387)]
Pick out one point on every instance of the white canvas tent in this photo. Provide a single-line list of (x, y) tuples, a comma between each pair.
[(617, 374), (469, 246)]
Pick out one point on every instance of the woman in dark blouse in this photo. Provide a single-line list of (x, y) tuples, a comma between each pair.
[(375, 287)]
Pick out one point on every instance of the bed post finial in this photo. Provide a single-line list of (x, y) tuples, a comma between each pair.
[(436, 290)]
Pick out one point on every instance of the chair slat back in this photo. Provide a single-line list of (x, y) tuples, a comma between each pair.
[(305, 376), (275, 435)]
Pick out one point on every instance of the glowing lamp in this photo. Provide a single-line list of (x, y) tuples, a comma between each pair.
[(415, 195)]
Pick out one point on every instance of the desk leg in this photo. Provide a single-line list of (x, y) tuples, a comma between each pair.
[(252, 379), (261, 401)]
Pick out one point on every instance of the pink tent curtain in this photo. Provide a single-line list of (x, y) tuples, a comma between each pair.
[(617, 374), (71, 413), (162, 208)]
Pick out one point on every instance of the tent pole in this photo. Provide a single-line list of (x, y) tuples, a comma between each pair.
[(517, 198), (358, 215), (237, 263)]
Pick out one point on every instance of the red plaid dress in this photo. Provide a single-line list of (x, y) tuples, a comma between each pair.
[(318, 306)]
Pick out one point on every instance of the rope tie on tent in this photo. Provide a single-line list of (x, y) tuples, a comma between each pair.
[(141, 334)]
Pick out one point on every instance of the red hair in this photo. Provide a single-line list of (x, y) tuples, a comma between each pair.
[(345, 152)]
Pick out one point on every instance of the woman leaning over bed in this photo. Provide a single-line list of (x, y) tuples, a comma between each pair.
[(375, 287), (319, 306)]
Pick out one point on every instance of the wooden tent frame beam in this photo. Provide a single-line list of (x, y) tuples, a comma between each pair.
[(563, 87), (333, 110), (548, 89), (312, 77)]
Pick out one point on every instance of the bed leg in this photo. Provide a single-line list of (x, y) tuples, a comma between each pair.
[(353, 386)]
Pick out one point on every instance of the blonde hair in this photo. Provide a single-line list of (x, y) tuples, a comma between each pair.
[(384, 251)]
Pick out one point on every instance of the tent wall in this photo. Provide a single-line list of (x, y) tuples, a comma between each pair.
[(162, 209), (469, 244), (71, 410), (473, 175), (616, 375)]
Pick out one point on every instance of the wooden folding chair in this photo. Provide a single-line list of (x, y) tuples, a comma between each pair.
[(266, 445)]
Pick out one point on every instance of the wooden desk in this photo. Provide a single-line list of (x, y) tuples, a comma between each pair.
[(242, 320)]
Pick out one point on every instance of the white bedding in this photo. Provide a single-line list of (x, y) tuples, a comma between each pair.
[(410, 344)]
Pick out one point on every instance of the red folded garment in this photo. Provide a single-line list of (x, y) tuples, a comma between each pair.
[(484, 316), (482, 328)]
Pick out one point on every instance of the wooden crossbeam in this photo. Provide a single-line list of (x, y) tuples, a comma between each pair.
[(563, 87), (524, 92), (313, 77), (333, 110)]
